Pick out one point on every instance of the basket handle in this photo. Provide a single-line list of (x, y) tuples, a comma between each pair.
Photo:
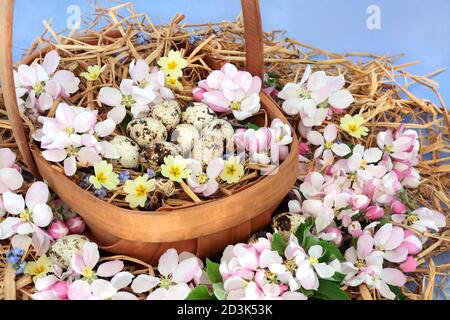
[(254, 64)]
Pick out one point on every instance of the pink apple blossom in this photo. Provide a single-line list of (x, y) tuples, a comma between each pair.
[(10, 177), (76, 225), (422, 219), (205, 183), (58, 229)]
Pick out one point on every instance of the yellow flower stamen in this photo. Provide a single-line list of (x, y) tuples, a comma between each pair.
[(313, 260), (202, 178), (235, 106)]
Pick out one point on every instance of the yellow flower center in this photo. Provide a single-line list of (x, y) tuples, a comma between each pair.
[(352, 176), (172, 65), (313, 260), (171, 81), (175, 171), (95, 74), (88, 273), (360, 264), (128, 101), (328, 145), (304, 94), (165, 283), (236, 106), (411, 218), (389, 148), (363, 164), (101, 177), (353, 127), (70, 131), (39, 269), (290, 265), (202, 178), (25, 216), (272, 277), (231, 170), (38, 88), (141, 190)]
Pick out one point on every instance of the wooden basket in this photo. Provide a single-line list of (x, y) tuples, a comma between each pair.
[(203, 229)]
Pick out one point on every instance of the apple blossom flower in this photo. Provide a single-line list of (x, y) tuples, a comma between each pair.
[(361, 159), (50, 288), (326, 144), (388, 240), (10, 177), (411, 242), (177, 272), (57, 230), (83, 263), (205, 183), (310, 269), (229, 89), (33, 212), (399, 148), (332, 234), (422, 219), (359, 202), (110, 290)]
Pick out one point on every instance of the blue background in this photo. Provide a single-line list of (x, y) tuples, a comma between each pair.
[(419, 28)]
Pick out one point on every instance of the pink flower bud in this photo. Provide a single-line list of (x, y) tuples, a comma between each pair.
[(337, 111), (369, 188), (58, 229), (409, 265), (60, 289), (411, 242), (359, 202), (374, 213), (76, 225), (354, 229), (197, 94), (398, 207), (303, 148), (337, 233)]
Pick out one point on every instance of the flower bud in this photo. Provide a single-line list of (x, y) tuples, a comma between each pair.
[(60, 289), (411, 242), (409, 265), (398, 207), (354, 229), (58, 229), (198, 93), (359, 202), (76, 225), (337, 235), (303, 148), (374, 212)]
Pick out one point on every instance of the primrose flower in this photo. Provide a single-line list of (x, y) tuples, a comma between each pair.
[(33, 213), (173, 64), (83, 263), (177, 272), (128, 97), (39, 268), (353, 125), (326, 144), (175, 168), (233, 170), (104, 176), (174, 83), (93, 72), (10, 177), (202, 182), (138, 189)]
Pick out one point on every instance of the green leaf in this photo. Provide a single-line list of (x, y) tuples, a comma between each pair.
[(332, 251), (219, 291), (309, 242), (385, 219), (303, 230), (329, 290), (308, 293), (212, 269), (251, 125), (337, 277), (278, 244), (200, 293), (125, 122), (398, 293)]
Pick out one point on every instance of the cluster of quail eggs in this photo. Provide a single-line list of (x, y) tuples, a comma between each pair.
[(193, 132)]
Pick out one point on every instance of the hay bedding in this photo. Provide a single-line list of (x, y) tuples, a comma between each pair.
[(380, 88)]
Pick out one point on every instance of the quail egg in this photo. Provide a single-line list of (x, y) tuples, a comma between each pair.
[(152, 157), (287, 223), (168, 112), (185, 136), (62, 250), (145, 131), (223, 129), (198, 114), (128, 151), (208, 148)]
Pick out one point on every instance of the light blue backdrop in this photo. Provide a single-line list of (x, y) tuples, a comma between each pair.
[(416, 27)]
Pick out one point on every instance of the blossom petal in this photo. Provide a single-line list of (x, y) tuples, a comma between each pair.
[(42, 215), (110, 268), (117, 114), (102, 289), (110, 96), (79, 290), (340, 149), (269, 257), (122, 280), (393, 277), (324, 271), (54, 155), (38, 193), (316, 138), (143, 283), (330, 132), (185, 271), (315, 251), (372, 155), (90, 254), (70, 166), (10, 180), (13, 203), (168, 262)]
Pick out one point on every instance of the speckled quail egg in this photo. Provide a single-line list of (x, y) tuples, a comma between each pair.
[(128, 151), (207, 148), (152, 157), (168, 112), (198, 114), (185, 136), (287, 223), (62, 250), (254, 238), (222, 129), (145, 131)]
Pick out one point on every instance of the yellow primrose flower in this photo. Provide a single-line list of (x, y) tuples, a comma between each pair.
[(137, 190), (233, 170), (175, 168), (93, 73), (173, 64), (104, 176), (354, 125), (173, 82), (39, 268)]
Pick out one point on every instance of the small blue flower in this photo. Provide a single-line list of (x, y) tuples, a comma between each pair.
[(101, 193), (142, 38), (151, 173), (84, 183), (194, 38), (11, 258), (20, 268), (18, 251), (124, 176)]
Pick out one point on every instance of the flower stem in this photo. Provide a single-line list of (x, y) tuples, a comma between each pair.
[(189, 192)]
